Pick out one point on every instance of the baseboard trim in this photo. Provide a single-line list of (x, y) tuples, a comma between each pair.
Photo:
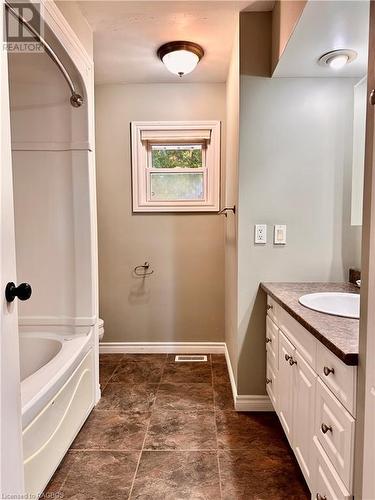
[(246, 402), (163, 347), (231, 375), (253, 403)]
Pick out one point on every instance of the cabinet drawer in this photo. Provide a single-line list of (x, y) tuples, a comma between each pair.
[(334, 428), (271, 383), (338, 376), (302, 340), (272, 309), (327, 484), (272, 343)]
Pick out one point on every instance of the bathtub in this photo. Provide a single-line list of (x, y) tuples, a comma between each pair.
[(57, 394), (47, 360)]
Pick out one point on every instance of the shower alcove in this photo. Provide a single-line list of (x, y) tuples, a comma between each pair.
[(55, 228)]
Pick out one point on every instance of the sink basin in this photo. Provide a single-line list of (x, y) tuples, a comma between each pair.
[(334, 303)]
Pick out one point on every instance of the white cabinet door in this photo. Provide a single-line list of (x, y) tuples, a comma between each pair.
[(303, 415), (11, 464), (327, 484), (271, 383), (285, 382), (272, 341)]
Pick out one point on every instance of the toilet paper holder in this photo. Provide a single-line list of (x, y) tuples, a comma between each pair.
[(145, 270)]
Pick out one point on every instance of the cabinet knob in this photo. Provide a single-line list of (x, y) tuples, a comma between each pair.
[(320, 497), (268, 340), (269, 306), (292, 361), (268, 381), (325, 428), (287, 357), (327, 371)]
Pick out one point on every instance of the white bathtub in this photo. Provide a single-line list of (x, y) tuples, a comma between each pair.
[(47, 360), (57, 394)]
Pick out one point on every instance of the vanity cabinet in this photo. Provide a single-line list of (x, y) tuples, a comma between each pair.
[(313, 394)]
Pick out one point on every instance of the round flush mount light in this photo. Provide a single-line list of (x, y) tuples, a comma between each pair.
[(337, 59), (180, 58)]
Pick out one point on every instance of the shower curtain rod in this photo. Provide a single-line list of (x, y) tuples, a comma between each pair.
[(76, 100)]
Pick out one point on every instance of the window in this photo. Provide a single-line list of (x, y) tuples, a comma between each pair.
[(176, 166)]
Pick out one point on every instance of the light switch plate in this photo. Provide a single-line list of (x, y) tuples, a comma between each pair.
[(260, 234), (279, 235)]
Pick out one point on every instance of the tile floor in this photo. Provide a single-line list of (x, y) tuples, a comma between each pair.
[(168, 431)]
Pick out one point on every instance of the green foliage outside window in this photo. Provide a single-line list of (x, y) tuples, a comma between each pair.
[(167, 157)]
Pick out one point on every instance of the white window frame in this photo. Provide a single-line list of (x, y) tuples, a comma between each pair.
[(145, 134)]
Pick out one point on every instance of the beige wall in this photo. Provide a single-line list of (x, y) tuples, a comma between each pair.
[(231, 198), (285, 16), (294, 169), (184, 299)]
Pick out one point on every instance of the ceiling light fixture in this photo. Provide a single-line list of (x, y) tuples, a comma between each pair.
[(180, 58), (337, 59)]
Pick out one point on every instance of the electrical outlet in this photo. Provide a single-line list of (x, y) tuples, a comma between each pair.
[(260, 234)]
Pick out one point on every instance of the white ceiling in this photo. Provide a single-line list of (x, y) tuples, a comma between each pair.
[(127, 35), (325, 26)]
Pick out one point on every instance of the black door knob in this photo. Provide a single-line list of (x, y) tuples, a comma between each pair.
[(22, 291)]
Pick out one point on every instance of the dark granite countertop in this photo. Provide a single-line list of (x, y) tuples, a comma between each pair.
[(339, 335)]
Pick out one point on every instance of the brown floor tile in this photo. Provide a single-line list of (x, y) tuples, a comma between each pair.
[(270, 474), (172, 475), (58, 479), (189, 373), (113, 430), (98, 475), (223, 397), (182, 418), (248, 430), (139, 372), (220, 374), (218, 359), (181, 430), (151, 358), (185, 396), (120, 396), (110, 359), (105, 373)]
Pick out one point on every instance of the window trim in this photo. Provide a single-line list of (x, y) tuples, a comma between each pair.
[(175, 132)]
